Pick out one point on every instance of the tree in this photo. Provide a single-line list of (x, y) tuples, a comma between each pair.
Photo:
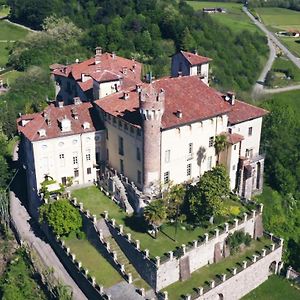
[(174, 199), (61, 216), (220, 145), (155, 214), (206, 198)]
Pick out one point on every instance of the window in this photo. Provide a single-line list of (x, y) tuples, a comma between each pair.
[(167, 156), (230, 130), (234, 147), (190, 148), (75, 160), (199, 70), (121, 166), (166, 177), (189, 170), (61, 156), (120, 124), (138, 154), (250, 131), (76, 173), (114, 120), (233, 168), (121, 146), (209, 163), (62, 159), (249, 153), (88, 157), (211, 142), (89, 171), (64, 180), (139, 177)]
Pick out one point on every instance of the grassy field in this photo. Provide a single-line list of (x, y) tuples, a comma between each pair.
[(275, 288), (97, 202), (234, 18), (94, 261), (277, 19), (284, 64), (8, 34), (10, 76), (4, 11), (203, 275)]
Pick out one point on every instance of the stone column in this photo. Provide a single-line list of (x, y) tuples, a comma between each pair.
[(223, 277), (188, 297), (253, 213), (86, 272), (122, 268), (288, 272), (271, 236), (281, 241), (244, 264), (183, 249), (81, 206), (171, 255), (165, 295), (263, 252), (137, 244), (254, 258), (108, 246), (93, 281), (212, 284), (106, 215), (101, 289), (195, 242), (87, 213), (236, 223), (226, 227), (129, 278), (73, 257), (79, 264), (261, 207), (121, 227), (129, 237), (147, 253), (113, 222), (234, 270), (75, 201), (217, 232), (273, 247), (206, 237), (245, 217), (115, 255), (157, 261), (200, 291), (94, 219)]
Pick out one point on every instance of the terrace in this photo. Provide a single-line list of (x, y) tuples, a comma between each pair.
[(203, 276), (169, 238)]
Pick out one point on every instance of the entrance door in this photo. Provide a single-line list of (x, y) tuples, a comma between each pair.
[(64, 180)]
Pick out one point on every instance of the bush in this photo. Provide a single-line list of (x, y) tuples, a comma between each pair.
[(235, 240), (81, 235)]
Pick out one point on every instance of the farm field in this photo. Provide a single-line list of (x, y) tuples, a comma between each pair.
[(280, 287), (280, 19), (234, 18)]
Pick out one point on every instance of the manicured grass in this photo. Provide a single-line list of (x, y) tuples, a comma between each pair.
[(234, 18), (203, 275), (94, 261), (11, 76), (4, 11), (275, 288), (97, 202), (279, 19), (3, 54)]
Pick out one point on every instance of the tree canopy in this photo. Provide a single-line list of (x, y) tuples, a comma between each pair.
[(61, 216)]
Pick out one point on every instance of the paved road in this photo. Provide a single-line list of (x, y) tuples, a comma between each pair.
[(22, 222), (274, 39), (281, 90)]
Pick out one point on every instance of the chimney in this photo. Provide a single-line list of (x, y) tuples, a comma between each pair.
[(60, 103), (179, 114), (138, 88), (124, 70), (196, 52), (179, 74), (98, 51), (126, 95), (74, 113), (77, 100), (77, 61), (113, 55), (231, 97)]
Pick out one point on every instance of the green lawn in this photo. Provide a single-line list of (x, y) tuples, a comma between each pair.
[(94, 261), (275, 288), (234, 18), (97, 202), (4, 10), (11, 76), (203, 275), (277, 19)]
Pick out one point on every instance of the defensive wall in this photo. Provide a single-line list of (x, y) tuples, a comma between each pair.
[(160, 272)]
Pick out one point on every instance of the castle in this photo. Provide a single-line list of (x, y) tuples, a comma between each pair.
[(148, 133)]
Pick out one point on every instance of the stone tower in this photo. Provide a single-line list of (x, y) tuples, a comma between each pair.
[(151, 109)]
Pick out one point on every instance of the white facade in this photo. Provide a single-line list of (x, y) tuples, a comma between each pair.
[(102, 89)]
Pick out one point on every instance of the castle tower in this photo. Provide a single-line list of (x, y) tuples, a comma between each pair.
[(151, 109)]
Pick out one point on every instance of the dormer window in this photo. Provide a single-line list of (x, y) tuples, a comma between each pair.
[(126, 95), (65, 125), (86, 125), (42, 132)]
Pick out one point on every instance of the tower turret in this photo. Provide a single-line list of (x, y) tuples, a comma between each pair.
[(151, 105)]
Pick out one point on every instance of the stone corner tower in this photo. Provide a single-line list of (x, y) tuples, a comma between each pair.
[(151, 104)]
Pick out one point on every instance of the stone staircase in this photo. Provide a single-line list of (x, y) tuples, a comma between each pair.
[(137, 281)]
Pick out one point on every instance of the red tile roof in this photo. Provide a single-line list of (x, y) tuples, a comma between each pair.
[(233, 138), (195, 59), (242, 111), (85, 111), (110, 67), (187, 94)]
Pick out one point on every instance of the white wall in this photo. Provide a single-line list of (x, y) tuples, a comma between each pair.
[(103, 89), (249, 142), (47, 157), (203, 71), (177, 141)]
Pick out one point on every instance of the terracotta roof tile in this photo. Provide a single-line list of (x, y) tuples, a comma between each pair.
[(188, 94), (85, 111), (233, 138), (242, 111), (195, 59)]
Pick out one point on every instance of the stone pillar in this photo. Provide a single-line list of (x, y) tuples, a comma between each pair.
[(223, 277), (113, 222), (280, 267), (62, 242), (101, 289), (129, 278), (188, 297), (263, 252), (253, 213), (217, 232), (245, 217), (244, 264), (73, 257), (234, 270), (195, 242), (137, 244), (106, 215), (276, 268), (206, 237), (108, 246), (122, 268), (121, 227), (212, 284), (129, 237), (142, 290), (68, 250), (261, 207), (86, 272), (165, 295), (200, 290), (115, 255), (101, 234), (87, 213), (183, 249), (157, 261), (281, 241), (81, 206), (254, 258), (236, 223), (288, 272), (79, 264), (226, 227), (93, 281), (147, 253), (94, 219), (75, 201), (271, 236), (273, 247), (171, 255), (109, 297)]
